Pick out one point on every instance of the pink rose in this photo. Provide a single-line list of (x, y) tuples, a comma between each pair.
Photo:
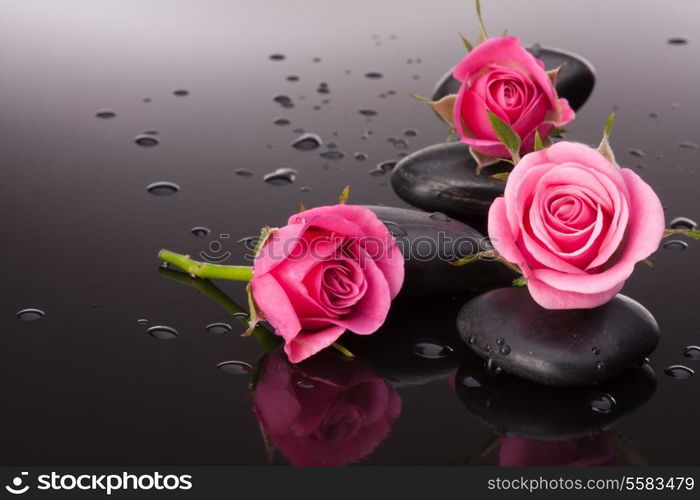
[(500, 76), (523, 452), (331, 269), (575, 224), (324, 411)]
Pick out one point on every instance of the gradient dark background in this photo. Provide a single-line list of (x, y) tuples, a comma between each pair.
[(86, 384)]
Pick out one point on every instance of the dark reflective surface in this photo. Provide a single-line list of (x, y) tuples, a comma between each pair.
[(87, 384)]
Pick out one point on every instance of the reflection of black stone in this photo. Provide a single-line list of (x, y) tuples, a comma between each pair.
[(518, 407), (430, 242), (575, 81), (566, 348), (418, 342), (443, 177)]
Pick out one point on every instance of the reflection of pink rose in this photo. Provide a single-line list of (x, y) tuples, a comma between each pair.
[(324, 411), (518, 451), (576, 224), (330, 269), (500, 76)]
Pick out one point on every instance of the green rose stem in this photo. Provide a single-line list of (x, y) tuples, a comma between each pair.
[(267, 339), (205, 269)]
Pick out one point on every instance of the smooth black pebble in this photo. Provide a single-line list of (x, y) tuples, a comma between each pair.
[(442, 178), (429, 243), (575, 347)]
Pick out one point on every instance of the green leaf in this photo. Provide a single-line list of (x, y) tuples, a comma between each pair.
[(344, 195), (648, 263), (506, 135), (520, 282), (467, 44), (604, 147), (482, 160), (343, 350), (538, 141), (482, 29), (444, 107), (502, 176), (553, 74), (450, 135)]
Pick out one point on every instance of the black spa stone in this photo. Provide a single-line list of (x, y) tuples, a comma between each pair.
[(575, 347), (519, 407), (429, 243)]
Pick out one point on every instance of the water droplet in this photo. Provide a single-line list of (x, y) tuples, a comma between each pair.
[(688, 145), (199, 231), (146, 140), (500, 341), (181, 92), (394, 228), (367, 112), (146, 99), (281, 176), (305, 384), (142, 321), (292, 78), (692, 352), (277, 57), (323, 88), (163, 188), (595, 350), (439, 216), (409, 132), (679, 372), (603, 404), (469, 381), (400, 144), (683, 223), (105, 113), (316, 59), (30, 314), (218, 328), (373, 75), (307, 142), (162, 332), (505, 350), (653, 114), (599, 365), (383, 167), (636, 152), (305, 189), (235, 367), (245, 172), (281, 122), (432, 350), (675, 245), (332, 154), (677, 40), (361, 156), (472, 339), (283, 100)]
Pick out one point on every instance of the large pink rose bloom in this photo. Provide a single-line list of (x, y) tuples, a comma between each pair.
[(331, 269), (324, 411), (500, 76), (576, 224)]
